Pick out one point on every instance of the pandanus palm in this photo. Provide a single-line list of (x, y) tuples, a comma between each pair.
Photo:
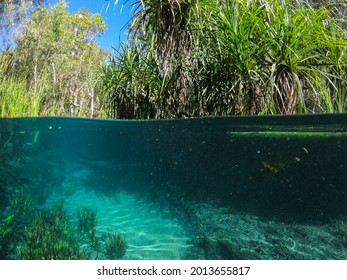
[(169, 23), (222, 57)]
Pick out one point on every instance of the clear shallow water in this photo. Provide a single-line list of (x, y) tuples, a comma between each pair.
[(209, 188)]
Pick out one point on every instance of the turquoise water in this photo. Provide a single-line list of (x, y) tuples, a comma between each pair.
[(208, 188)]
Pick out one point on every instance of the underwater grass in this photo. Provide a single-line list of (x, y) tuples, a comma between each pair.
[(86, 220), (115, 245), (30, 233), (50, 237)]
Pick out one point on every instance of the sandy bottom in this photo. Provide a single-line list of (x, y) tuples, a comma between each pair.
[(210, 232), (151, 233)]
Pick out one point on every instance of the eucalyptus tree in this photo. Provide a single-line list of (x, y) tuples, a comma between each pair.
[(58, 50), (12, 14)]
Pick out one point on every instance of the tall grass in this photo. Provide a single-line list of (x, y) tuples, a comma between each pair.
[(223, 57), (45, 95), (16, 98)]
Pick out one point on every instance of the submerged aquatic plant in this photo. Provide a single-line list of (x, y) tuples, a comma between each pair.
[(112, 245), (22, 203), (340, 229), (87, 221), (50, 237), (30, 233), (7, 237), (116, 246), (20, 209)]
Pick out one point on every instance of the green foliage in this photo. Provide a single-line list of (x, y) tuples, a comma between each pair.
[(61, 49), (278, 56), (340, 229), (7, 239), (22, 204), (12, 16), (16, 100), (11, 12), (182, 59), (196, 58), (116, 246), (28, 232), (87, 222), (6, 62), (55, 66), (113, 245), (21, 208), (50, 237)]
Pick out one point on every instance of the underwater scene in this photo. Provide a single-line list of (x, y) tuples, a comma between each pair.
[(216, 188)]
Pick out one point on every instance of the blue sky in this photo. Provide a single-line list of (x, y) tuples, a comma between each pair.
[(115, 16)]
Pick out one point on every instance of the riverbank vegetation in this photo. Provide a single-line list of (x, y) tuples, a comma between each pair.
[(54, 68), (183, 58)]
